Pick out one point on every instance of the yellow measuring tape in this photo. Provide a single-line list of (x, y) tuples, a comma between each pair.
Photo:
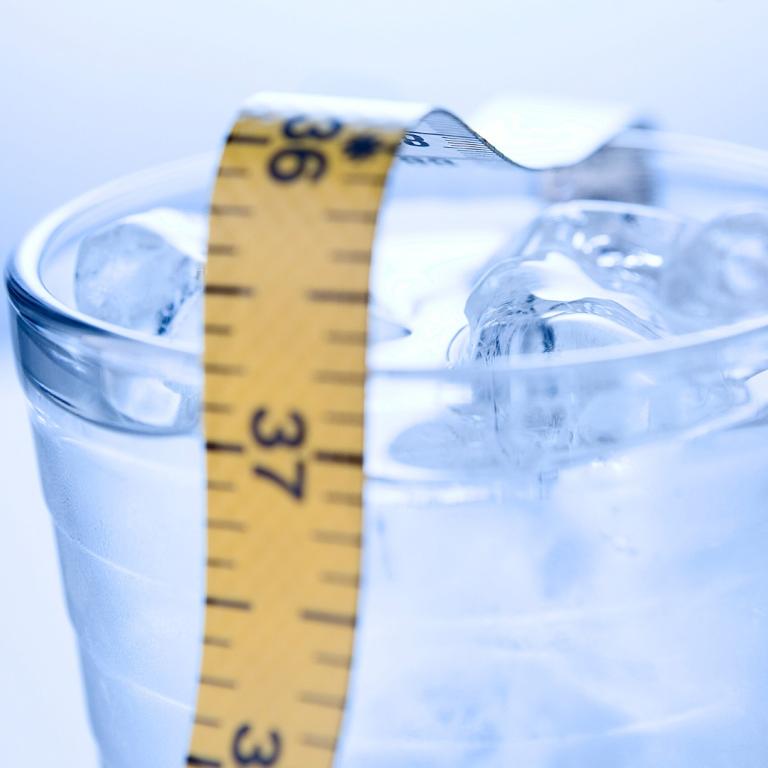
[(291, 231)]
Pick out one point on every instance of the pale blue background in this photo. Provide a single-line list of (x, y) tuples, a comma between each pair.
[(90, 89)]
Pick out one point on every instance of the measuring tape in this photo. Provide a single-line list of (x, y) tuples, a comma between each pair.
[(292, 226)]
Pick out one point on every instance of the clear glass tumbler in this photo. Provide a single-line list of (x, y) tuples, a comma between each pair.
[(601, 605)]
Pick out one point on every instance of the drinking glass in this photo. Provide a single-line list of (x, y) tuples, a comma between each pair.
[(525, 600)]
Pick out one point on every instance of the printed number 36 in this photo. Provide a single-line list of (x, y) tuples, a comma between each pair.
[(297, 161)]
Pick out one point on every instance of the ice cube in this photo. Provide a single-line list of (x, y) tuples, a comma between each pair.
[(187, 323), (721, 275), (587, 276), (547, 304), (140, 271), (620, 245), (144, 400)]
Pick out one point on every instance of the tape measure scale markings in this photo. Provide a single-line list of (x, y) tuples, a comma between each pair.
[(292, 223)]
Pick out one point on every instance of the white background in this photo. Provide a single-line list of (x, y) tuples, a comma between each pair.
[(92, 89)]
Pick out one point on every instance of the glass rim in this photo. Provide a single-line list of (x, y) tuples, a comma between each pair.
[(30, 296)]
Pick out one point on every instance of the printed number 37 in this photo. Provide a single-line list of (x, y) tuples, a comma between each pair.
[(291, 435)]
